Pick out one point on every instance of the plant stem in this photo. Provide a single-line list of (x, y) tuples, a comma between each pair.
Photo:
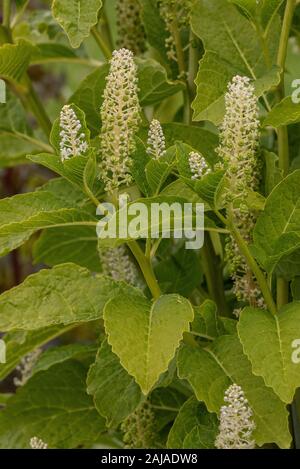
[(213, 276), (243, 247), (146, 268), (6, 13), (32, 101), (282, 132), (101, 43)]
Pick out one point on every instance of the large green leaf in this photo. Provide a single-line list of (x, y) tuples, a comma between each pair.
[(24, 214), (211, 371), (277, 231), (259, 12), (52, 405), (151, 333), (73, 169), (14, 61), (76, 244), (76, 17), (154, 86), (284, 113), (232, 47), (115, 392), (269, 342), (20, 343), (194, 427), (206, 323), (66, 294)]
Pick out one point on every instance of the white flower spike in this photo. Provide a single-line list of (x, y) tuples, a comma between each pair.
[(236, 424), (156, 140), (239, 138), (120, 115), (117, 264), (72, 139)]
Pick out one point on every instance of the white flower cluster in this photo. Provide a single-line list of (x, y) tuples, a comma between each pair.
[(72, 139), (37, 443), (239, 139), (198, 165), (130, 30), (120, 115), (156, 140), (239, 136), (236, 424), (25, 367), (117, 264), (176, 16)]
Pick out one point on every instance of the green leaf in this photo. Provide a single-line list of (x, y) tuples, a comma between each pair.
[(154, 86), (206, 323), (14, 62), (54, 406), (157, 173), (231, 47), (66, 294), (55, 355), (77, 244), (153, 22), (269, 343), (24, 214), (76, 17), (201, 140), (273, 175), (116, 394), (153, 331), (20, 343), (54, 52), (166, 403), (262, 12), (180, 272), (194, 427), (77, 170), (211, 371), (284, 113), (277, 231)]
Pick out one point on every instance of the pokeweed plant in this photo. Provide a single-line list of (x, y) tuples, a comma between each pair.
[(141, 343)]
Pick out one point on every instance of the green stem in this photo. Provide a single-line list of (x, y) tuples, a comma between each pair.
[(6, 13), (243, 247), (213, 275), (32, 101), (101, 43), (283, 145), (282, 132), (146, 268)]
